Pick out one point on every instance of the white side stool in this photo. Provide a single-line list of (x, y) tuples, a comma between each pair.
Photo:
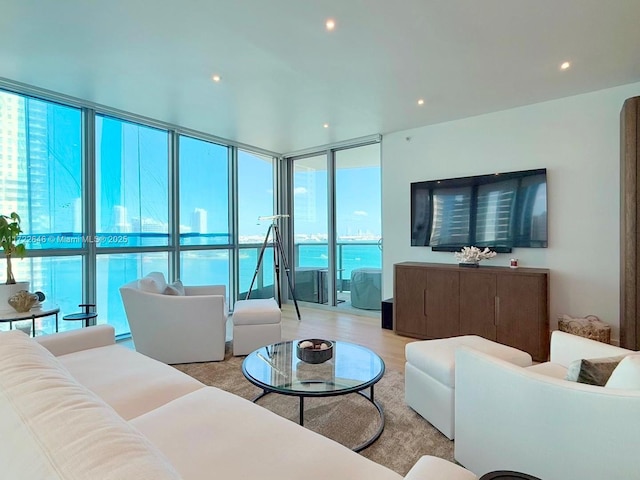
[(429, 380), (256, 323)]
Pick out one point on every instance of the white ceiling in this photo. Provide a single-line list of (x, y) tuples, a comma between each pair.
[(284, 75)]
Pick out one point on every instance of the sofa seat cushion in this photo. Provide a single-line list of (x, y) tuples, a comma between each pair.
[(54, 428), (128, 381), (212, 433), (549, 369), (436, 358)]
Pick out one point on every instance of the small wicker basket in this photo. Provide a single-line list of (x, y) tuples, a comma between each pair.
[(590, 327)]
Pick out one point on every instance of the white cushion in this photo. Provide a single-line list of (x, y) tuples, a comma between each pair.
[(257, 311), (175, 288), (437, 357), (626, 375), (154, 282), (211, 434), (57, 429), (149, 383)]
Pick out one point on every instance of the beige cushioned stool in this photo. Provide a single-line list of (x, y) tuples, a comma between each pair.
[(256, 323), (429, 381)]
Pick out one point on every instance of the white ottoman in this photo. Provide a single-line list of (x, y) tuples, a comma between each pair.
[(256, 323), (429, 381)]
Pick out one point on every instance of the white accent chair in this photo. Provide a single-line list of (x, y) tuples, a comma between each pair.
[(176, 328), (532, 420)]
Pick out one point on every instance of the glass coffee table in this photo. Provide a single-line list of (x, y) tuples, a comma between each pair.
[(352, 369)]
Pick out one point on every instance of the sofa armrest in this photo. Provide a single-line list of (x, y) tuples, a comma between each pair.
[(431, 468), (565, 348), (76, 340)]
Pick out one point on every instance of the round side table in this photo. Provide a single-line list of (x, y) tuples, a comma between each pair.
[(85, 316)]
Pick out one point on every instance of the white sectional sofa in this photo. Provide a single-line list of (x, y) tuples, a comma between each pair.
[(532, 420), (76, 406)]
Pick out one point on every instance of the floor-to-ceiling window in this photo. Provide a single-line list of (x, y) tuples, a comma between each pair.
[(106, 199), (256, 194), (41, 180), (205, 237), (132, 209)]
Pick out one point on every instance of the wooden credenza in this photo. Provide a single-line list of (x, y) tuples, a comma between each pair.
[(509, 306)]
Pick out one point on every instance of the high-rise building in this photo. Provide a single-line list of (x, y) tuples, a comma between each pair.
[(199, 221), (76, 208), (13, 182), (120, 223)]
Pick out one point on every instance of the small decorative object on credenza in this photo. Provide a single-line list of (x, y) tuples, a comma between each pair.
[(314, 350), (471, 256)]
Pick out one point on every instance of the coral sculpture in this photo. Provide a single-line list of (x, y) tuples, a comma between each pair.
[(473, 255)]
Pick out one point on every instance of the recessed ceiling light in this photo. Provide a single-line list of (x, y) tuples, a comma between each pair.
[(421, 102), (330, 24), (326, 125), (215, 78), (564, 65)]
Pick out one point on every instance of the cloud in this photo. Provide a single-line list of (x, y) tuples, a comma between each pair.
[(300, 191), (361, 213)]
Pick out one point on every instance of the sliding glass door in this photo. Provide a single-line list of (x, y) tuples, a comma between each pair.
[(310, 229), (358, 227), (337, 247)]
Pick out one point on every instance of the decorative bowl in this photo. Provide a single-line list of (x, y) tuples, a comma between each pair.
[(314, 350), (22, 301)]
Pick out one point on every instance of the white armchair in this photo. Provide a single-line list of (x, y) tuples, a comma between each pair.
[(176, 328), (532, 420)]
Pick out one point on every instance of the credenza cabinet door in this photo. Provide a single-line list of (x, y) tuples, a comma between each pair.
[(426, 302), (409, 316), (441, 305), (521, 318), (478, 304)]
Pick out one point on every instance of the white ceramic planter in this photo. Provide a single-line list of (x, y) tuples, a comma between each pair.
[(6, 291)]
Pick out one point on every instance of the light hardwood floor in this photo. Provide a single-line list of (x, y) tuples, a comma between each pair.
[(334, 324), (339, 325)]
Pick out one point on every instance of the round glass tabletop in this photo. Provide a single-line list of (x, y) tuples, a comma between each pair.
[(276, 368)]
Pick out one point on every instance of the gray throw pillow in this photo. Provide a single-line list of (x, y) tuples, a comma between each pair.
[(594, 371)]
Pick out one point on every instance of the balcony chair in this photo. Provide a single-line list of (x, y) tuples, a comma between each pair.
[(176, 324), (366, 288)]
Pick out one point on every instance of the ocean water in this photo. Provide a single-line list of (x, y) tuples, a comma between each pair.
[(60, 278)]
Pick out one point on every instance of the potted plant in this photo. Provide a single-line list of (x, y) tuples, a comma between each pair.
[(9, 234)]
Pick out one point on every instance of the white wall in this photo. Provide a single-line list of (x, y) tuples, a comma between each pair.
[(577, 139)]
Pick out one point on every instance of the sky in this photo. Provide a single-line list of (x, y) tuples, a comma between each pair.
[(139, 183)]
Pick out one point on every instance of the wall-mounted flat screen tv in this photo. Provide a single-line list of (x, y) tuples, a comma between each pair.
[(500, 211)]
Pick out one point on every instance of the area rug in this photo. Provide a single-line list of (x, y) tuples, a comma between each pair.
[(348, 419)]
